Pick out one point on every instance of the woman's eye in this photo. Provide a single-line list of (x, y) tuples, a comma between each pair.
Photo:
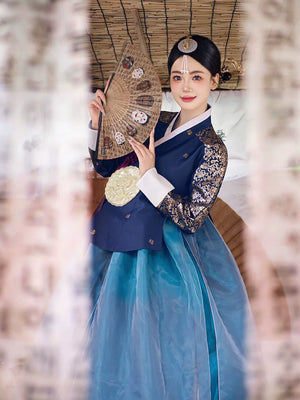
[(177, 78), (197, 77)]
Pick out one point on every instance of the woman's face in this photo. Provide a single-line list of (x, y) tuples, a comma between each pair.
[(191, 84)]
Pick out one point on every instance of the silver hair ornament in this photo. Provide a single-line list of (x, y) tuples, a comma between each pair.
[(187, 45)]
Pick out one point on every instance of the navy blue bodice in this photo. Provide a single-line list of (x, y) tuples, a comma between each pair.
[(138, 224)]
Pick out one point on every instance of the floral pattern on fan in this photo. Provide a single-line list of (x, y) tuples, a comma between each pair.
[(140, 117), (137, 73)]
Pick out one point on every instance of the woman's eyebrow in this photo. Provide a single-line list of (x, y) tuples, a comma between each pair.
[(193, 72)]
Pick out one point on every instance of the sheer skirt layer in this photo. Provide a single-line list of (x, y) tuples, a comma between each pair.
[(170, 324)]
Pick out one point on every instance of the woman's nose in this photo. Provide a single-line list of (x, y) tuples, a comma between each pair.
[(186, 85)]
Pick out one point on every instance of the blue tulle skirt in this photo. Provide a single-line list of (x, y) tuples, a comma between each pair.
[(170, 324)]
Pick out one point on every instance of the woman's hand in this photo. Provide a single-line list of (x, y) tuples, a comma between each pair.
[(96, 106), (146, 156)]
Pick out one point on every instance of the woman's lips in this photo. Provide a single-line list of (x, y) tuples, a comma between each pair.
[(187, 98)]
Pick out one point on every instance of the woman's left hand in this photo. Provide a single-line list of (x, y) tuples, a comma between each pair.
[(146, 156)]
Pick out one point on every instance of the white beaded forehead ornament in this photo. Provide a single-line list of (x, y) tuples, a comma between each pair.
[(184, 66), (186, 46)]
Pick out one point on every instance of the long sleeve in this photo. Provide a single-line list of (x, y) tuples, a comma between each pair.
[(154, 186), (190, 213)]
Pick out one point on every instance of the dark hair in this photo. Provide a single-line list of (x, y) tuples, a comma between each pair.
[(206, 54)]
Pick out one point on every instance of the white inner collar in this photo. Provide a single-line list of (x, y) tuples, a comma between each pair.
[(169, 134)]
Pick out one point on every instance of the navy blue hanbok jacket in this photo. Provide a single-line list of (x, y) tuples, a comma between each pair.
[(193, 161)]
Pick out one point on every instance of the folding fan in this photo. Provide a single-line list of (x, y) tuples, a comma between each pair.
[(133, 103)]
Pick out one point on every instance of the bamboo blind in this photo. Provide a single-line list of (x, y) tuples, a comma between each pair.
[(162, 23)]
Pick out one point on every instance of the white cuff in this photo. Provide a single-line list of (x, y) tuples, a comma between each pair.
[(154, 186), (92, 137)]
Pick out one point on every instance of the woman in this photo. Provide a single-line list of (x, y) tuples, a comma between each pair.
[(169, 305)]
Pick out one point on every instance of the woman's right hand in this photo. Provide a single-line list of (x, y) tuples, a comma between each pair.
[(96, 106)]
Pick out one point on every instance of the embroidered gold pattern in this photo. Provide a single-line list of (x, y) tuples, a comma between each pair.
[(166, 116), (93, 232), (127, 216), (189, 132), (151, 241), (208, 136), (185, 155), (190, 213)]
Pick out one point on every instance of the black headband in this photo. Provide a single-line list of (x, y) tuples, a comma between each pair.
[(201, 49)]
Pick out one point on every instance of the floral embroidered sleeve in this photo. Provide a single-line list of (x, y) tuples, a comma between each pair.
[(189, 213)]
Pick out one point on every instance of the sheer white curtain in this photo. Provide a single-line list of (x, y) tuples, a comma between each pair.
[(274, 194), (44, 197)]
